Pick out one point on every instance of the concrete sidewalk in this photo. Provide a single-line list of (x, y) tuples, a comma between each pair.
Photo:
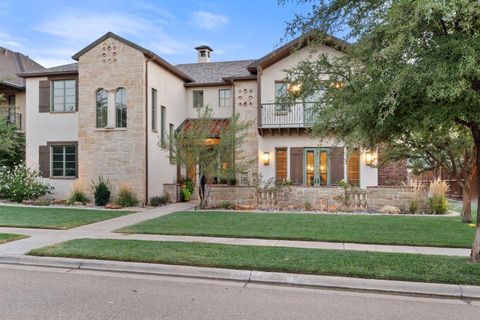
[(251, 276)]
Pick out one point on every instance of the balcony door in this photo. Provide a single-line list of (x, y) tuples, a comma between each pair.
[(316, 164)]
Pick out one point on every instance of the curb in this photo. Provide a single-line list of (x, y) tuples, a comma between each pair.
[(258, 277)]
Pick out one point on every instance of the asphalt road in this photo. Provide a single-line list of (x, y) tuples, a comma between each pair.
[(41, 293)]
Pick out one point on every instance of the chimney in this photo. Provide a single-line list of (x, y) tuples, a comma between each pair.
[(203, 53)]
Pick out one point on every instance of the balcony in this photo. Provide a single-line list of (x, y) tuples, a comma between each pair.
[(10, 115), (299, 115)]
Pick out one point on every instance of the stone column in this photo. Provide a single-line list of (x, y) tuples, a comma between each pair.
[(111, 109)]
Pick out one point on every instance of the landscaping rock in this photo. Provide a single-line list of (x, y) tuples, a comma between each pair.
[(243, 207), (78, 203), (390, 210), (113, 206), (28, 202), (59, 202)]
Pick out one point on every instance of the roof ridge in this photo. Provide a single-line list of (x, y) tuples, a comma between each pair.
[(18, 61), (207, 63)]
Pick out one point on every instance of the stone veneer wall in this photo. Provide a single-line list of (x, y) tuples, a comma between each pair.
[(245, 100), (319, 198), (116, 154)]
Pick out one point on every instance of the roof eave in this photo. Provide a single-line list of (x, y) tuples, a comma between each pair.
[(205, 84), (13, 85), (46, 74)]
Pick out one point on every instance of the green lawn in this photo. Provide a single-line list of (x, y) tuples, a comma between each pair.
[(399, 230), (394, 266), (7, 237), (52, 218)]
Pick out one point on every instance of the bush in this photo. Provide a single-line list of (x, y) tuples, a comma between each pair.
[(101, 191), (186, 190), (158, 201), (413, 208), (225, 205), (22, 183), (126, 196), (78, 193), (438, 196)]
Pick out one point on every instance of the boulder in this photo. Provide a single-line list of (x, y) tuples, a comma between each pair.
[(390, 210), (243, 207), (78, 203), (113, 206), (28, 202), (58, 202)]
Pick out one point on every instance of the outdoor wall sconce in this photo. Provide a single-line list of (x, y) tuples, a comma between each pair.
[(266, 158), (370, 159)]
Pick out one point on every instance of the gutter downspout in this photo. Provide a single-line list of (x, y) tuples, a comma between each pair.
[(146, 128)]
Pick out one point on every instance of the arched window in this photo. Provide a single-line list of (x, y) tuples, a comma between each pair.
[(121, 108), (102, 108)]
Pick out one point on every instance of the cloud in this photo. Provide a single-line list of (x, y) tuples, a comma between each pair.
[(52, 62), (208, 21), (8, 41)]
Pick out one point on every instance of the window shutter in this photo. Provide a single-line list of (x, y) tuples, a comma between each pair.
[(296, 165), (44, 161), (44, 96), (337, 165)]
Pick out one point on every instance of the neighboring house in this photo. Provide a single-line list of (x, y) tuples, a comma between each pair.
[(111, 115), (12, 87)]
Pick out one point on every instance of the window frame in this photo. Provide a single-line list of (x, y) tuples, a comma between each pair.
[(52, 95), (199, 92), (171, 133), (105, 108), (154, 105), (119, 109), (227, 102), (163, 115), (63, 144)]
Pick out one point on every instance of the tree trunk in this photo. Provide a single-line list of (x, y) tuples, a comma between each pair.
[(467, 203), (475, 254)]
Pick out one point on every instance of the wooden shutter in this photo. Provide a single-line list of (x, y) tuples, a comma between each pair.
[(44, 96), (337, 165), (296, 165), (44, 161), (281, 164)]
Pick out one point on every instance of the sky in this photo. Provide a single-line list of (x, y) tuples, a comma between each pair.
[(51, 31)]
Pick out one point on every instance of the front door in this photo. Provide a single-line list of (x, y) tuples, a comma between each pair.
[(316, 164)]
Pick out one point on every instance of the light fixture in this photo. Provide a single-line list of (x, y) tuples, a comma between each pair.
[(266, 158), (369, 158), (294, 88)]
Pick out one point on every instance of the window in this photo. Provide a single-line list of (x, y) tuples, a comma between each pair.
[(353, 169), (281, 164), (64, 96), (154, 110), (280, 91), (224, 98), (171, 134), (163, 112), (121, 108), (64, 161), (102, 108), (11, 101), (198, 99)]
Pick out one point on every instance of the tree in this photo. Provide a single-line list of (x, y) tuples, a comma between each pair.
[(212, 149), (12, 145), (414, 66), (448, 148)]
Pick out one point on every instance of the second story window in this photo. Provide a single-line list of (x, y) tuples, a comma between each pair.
[(154, 110), (163, 115), (64, 96), (121, 108), (198, 98), (224, 98), (102, 108)]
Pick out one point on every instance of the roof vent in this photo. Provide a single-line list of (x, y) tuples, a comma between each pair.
[(203, 53)]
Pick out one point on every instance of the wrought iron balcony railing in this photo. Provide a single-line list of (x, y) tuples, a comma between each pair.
[(295, 115), (10, 115)]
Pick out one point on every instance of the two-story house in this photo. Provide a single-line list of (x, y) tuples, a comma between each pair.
[(12, 87), (111, 113)]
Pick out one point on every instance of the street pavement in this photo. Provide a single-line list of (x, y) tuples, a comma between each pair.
[(54, 293)]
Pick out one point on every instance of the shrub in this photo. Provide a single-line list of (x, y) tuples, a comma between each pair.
[(413, 208), (22, 183), (225, 205), (78, 193), (438, 196), (186, 190), (126, 196), (101, 191), (158, 201)]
